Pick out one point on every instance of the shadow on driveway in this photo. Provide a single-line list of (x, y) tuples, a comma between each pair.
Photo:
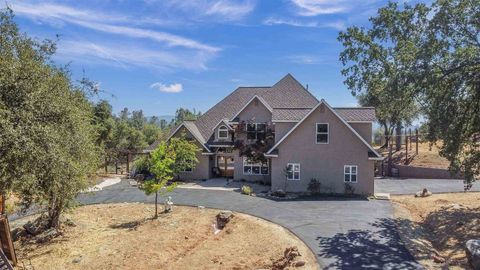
[(366, 249)]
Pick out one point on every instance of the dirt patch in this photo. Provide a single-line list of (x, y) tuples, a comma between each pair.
[(436, 228), (427, 157), (121, 236)]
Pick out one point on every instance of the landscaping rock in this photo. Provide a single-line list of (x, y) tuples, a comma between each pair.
[(299, 264), (77, 260), (473, 253), (423, 193), (223, 218), (279, 193), (36, 227), (288, 259), (438, 259), (18, 233), (47, 235)]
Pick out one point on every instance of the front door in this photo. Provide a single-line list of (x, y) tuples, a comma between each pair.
[(225, 166)]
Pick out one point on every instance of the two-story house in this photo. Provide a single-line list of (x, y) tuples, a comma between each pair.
[(297, 136)]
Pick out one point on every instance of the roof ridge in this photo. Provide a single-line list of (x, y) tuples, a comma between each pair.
[(353, 107), (291, 76)]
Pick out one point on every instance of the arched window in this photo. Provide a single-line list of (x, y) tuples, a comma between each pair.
[(223, 132)]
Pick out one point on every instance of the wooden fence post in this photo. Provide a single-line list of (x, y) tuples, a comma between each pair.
[(406, 149), (128, 163), (410, 135), (389, 166), (416, 141)]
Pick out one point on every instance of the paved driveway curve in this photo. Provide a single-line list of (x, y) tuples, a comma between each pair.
[(400, 186), (342, 233)]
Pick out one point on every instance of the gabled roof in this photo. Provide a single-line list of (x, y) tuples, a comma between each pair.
[(287, 99), (357, 114), (223, 121), (251, 100), (377, 155), (192, 128)]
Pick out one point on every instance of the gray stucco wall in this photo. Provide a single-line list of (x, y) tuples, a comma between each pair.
[(256, 112), (281, 128), (325, 162), (203, 168), (364, 129)]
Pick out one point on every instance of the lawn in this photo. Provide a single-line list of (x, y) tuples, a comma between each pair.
[(121, 236), (436, 228)]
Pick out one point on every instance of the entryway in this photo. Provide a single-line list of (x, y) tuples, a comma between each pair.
[(225, 165)]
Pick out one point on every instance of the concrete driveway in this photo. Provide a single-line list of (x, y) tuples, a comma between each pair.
[(410, 186), (343, 233)]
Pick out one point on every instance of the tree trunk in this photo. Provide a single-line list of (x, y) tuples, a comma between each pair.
[(386, 135), (156, 205), (398, 138), (54, 212)]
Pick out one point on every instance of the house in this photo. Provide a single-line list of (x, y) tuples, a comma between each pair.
[(284, 136)]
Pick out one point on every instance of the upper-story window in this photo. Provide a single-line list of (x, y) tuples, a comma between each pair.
[(322, 133), (223, 132), (256, 131)]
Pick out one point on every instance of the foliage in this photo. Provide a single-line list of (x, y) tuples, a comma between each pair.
[(314, 186), (255, 150), (379, 62), (185, 115), (167, 160), (449, 83), (246, 190), (47, 140), (142, 165)]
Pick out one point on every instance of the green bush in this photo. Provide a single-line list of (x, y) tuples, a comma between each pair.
[(247, 190), (314, 186), (349, 189), (142, 165)]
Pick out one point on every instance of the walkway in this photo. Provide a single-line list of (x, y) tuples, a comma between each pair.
[(410, 186), (343, 233)]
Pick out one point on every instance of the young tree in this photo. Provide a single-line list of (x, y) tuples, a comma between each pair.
[(47, 140), (162, 165), (167, 160), (379, 62)]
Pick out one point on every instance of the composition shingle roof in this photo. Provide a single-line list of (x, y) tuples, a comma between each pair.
[(357, 113), (289, 100)]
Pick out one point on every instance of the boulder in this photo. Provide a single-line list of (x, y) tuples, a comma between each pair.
[(18, 233), (472, 248), (223, 218), (47, 235), (423, 193), (36, 227), (279, 193)]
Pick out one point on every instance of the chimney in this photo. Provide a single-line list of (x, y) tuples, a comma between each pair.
[(306, 86)]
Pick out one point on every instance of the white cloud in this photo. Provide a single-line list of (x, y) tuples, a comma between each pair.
[(338, 25), (129, 56), (209, 10), (170, 88), (318, 7), (303, 59), (103, 23)]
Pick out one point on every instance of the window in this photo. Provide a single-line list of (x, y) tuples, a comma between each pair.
[(256, 131), (254, 168), (223, 132), (189, 167), (322, 133), (350, 173), (293, 171)]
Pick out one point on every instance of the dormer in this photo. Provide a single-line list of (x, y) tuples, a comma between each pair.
[(222, 132)]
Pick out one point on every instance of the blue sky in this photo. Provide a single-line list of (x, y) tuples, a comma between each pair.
[(158, 55)]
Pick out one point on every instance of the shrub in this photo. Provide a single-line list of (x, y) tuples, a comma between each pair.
[(246, 190), (349, 189), (142, 165), (314, 186)]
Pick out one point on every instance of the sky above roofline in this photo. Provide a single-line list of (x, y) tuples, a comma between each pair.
[(159, 55)]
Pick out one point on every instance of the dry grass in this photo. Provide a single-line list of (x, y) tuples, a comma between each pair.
[(119, 236), (443, 224), (428, 156)]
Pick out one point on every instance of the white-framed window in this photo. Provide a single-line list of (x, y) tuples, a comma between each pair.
[(350, 173), (255, 168), (189, 167), (256, 131), (223, 132), (293, 171), (321, 130)]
